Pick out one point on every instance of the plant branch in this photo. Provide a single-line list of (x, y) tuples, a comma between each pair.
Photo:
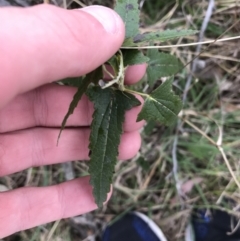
[(136, 92), (183, 45), (198, 49), (220, 148), (189, 80)]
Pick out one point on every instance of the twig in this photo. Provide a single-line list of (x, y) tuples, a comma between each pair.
[(175, 165), (198, 50), (228, 165), (53, 229), (224, 192), (170, 13), (199, 46), (219, 148), (183, 45), (148, 178), (235, 229), (201, 132)]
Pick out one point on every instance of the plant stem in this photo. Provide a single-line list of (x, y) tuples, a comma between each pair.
[(136, 92), (182, 45)]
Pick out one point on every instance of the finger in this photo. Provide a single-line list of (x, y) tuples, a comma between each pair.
[(47, 106), (135, 73), (53, 43), (28, 207), (37, 147)]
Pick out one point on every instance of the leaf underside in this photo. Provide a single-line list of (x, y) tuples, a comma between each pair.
[(161, 105), (142, 39), (106, 129), (161, 65), (83, 84), (129, 12)]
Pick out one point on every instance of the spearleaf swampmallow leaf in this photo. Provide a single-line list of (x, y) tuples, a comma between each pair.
[(106, 129), (133, 57), (129, 12), (142, 39), (83, 84), (161, 65), (161, 105)]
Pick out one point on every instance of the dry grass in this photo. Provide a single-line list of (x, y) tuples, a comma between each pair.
[(206, 175)]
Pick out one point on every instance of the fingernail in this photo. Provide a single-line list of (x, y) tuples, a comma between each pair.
[(110, 20)]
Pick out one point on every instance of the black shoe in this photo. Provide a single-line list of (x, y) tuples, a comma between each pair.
[(133, 227), (217, 226)]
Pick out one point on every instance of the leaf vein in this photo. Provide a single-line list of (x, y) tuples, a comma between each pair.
[(105, 141), (162, 105)]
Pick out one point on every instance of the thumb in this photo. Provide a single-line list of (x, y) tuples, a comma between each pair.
[(42, 44)]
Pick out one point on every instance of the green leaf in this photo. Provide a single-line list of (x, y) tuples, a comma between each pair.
[(149, 127), (129, 11), (106, 129), (133, 56), (161, 65), (92, 77), (141, 39), (161, 105)]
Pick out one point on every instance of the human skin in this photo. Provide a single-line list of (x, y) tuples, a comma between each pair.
[(38, 46)]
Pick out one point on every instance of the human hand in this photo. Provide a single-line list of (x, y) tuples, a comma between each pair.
[(40, 45)]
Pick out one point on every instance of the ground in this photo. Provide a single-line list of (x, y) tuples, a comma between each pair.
[(188, 165)]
